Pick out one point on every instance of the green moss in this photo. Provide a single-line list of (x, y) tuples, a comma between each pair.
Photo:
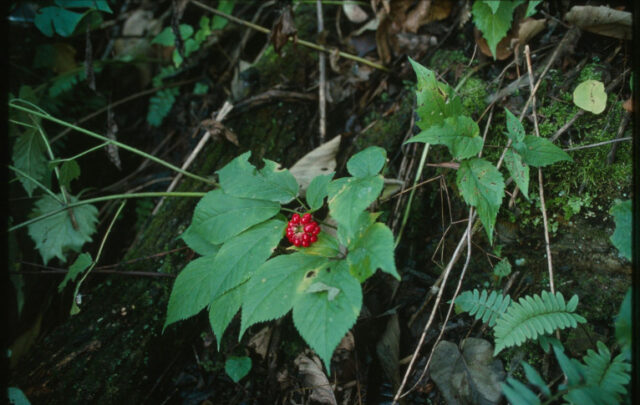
[(444, 59), (473, 93)]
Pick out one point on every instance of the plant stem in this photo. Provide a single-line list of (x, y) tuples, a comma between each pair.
[(116, 143), (79, 155), (42, 186), (407, 208), (107, 198)]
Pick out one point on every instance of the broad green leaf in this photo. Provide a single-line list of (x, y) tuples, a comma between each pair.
[(168, 38), (359, 226), (481, 186), (531, 8), (318, 286), (373, 250), (518, 170), (624, 325), (494, 25), (350, 196), (58, 233), (503, 268), (276, 285), (100, 5), (591, 96), (78, 267), (368, 162), (538, 152), (237, 367), (493, 5), (460, 134), (317, 190), (435, 101), (621, 237), (241, 179), (55, 19), (515, 130), (322, 321), (29, 155), (69, 171), (193, 290), (17, 397), (325, 246), (240, 256), (198, 243), (223, 309), (219, 216), (226, 6)]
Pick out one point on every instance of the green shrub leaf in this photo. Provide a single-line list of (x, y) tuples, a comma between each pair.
[(493, 19), (515, 130), (168, 38), (237, 367), (435, 101), (373, 250), (460, 134), (325, 246), (276, 285), (69, 171), (198, 243), (323, 321), (240, 178), (29, 155), (219, 216), (226, 6), (56, 19), (58, 233), (317, 191), (538, 152), (223, 309), (481, 186), (78, 267), (350, 196), (368, 162), (621, 237), (518, 170)]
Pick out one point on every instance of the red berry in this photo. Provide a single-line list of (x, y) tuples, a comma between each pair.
[(305, 243), (306, 218), (313, 238), (295, 219), (305, 237), (309, 227), (316, 230), (298, 242)]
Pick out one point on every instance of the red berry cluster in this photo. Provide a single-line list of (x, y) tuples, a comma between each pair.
[(302, 231)]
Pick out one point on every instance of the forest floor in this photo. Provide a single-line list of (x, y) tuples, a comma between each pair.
[(139, 97)]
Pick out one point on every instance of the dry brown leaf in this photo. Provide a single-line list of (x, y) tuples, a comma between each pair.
[(354, 13), (321, 160), (283, 29), (260, 341), (503, 49), (414, 19), (315, 378), (628, 105), (601, 20), (439, 10), (529, 28), (216, 129)]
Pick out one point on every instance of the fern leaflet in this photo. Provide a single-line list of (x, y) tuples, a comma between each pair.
[(482, 305), (160, 105), (533, 316)]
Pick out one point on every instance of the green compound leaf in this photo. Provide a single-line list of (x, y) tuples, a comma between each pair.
[(503, 268), (372, 250), (493, 19), (623, 326), (160, 105), (276, 286), (435, 101), (350, 196), (55, 19), (368, 162), (239, 257), (29, 155), (192, 291), (198, 243), (482, 305), (460, 134), (168, 38), (223, 309), (241, 179), (539, 152), (533, 316), (591, 96), (323, 321), (78, 267), (515, 130), (621, 237), (237, 367), (610, 376), (481, 186), (69, 171), (317, 191), (58, 233), (518, 394), (518, 170), (219, 216), (226, 6)]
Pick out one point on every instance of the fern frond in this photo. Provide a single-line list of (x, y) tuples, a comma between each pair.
[(482, 305), (533, 316), (609, 375), (518, 393), (160, 105), (68, 80)]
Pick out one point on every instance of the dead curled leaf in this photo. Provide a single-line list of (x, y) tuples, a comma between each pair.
[(601, 20), (315, 379), (216, 129), (321, 160), (283, 29)]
